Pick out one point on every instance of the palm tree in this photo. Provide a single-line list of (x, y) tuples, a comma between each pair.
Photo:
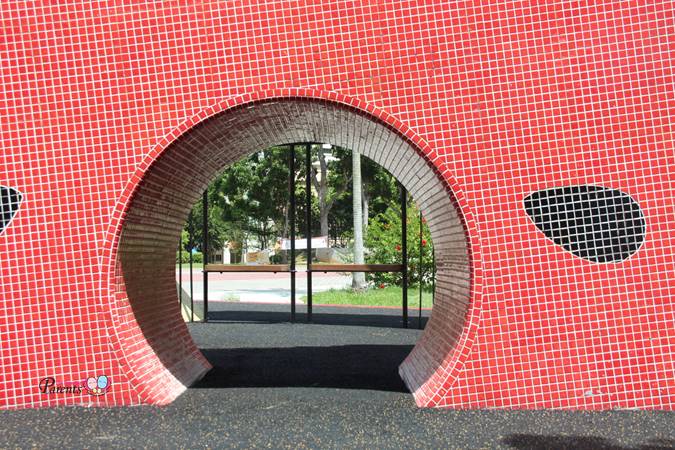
[(358, 278)]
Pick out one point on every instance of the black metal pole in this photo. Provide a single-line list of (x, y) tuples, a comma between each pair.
[(421, 276), (180, 273), (192, 291), (291, 193), (308, 218), (205, 253), (404, 251)]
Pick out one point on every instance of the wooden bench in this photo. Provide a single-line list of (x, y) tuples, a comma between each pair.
[(247, 268), (231, 268), (356, 267)]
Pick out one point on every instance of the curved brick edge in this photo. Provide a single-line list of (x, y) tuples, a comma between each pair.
[(428, 383)]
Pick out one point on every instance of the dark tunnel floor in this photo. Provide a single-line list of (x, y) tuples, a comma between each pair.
[(334, 385), (361, 349)]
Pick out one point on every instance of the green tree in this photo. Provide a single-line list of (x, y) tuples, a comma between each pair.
[(193, 235), (378, 191), (251, 197), (331, 181)]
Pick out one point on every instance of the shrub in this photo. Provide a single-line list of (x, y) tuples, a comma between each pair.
[(197, 257), (383, 241)]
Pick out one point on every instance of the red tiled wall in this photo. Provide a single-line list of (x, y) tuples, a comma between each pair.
[(175, 181), (503, 99)]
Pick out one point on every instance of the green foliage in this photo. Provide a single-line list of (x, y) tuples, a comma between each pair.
[(197, 257), (383, 241), (379, 188), (192, 234), (251, 197), (184, 240)]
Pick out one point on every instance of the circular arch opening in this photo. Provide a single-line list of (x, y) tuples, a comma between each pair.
[(159, 354)]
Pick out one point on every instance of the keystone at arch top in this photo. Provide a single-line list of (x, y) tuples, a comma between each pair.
[(536, 138)]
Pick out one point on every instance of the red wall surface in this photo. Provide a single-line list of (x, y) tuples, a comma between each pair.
[(502, 98)]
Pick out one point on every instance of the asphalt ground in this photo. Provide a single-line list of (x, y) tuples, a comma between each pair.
[(329, 384)]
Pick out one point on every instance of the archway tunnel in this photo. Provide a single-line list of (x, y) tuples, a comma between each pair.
[(166, 360)]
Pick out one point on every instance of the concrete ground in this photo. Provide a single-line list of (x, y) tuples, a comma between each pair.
[(332, 384), (259, 287)]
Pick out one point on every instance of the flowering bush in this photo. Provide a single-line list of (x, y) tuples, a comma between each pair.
[(384, 246)]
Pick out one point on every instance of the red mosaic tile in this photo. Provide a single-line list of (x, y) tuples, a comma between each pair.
[(497, 100)]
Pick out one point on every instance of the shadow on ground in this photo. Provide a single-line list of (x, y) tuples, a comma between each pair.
[(372, 367), (538, 442), (335, 317)]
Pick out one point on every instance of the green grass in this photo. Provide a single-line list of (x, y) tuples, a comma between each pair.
[(389, 296)]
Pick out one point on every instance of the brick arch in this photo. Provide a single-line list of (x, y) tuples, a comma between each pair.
[(153, 343)]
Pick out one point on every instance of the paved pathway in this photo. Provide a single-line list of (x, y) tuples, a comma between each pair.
[(334, 385), (260, 287)]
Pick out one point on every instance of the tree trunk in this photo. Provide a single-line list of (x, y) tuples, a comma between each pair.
[(323, 216), (287, 226), (322, 192), (358, 278)]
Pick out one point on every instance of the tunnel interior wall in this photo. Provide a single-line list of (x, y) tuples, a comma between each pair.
[(165, 354)]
